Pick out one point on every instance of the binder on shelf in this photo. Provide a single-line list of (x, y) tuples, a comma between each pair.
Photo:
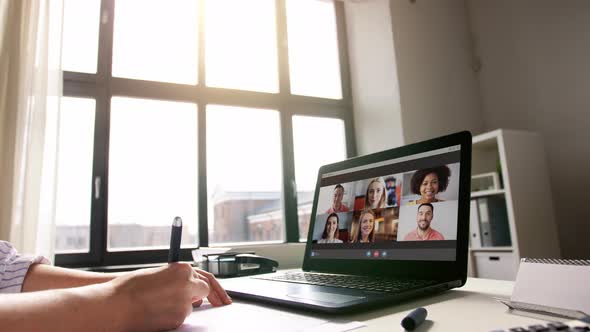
[(474, 238), (493, 222), (484, 222)]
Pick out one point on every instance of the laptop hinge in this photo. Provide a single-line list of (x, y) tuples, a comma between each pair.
[(454, 283)]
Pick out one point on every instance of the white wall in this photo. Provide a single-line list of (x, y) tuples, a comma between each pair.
[(438, 87), (411, 71), (376, 104), (536, 76)]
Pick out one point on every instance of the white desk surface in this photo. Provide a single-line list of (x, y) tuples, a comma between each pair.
[(470, 308)]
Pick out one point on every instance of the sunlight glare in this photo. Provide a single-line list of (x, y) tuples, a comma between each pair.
[(241, 45), (314, 63), (317, 142), (156, 40)]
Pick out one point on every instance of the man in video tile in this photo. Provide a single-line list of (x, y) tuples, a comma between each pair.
[(337, 205), (424, 232)]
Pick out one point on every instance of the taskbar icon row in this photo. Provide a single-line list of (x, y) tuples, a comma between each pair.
[(365, 253)]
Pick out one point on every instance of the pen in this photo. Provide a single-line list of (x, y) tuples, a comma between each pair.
[(175, 237), (414, 318)]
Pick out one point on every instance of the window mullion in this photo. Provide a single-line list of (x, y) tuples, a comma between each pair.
[(202, 180), (203, 227), (99, 222), (98, 215), (201, 45), (105, 41), (345, 78), (343, 52), (283, 48), (289, 186)]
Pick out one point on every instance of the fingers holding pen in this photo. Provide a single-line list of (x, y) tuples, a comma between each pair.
[(210, 295), (215, 287), (213, 295), (201, 284), (184, 274), (199, 289), (212, 289)]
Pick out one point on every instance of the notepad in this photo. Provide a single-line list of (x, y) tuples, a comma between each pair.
[(555, 286)]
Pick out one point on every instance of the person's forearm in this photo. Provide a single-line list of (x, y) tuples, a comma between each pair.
[(89, 308), (42, 277)]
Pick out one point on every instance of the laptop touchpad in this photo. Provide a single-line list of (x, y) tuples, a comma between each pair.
[(326, 297)]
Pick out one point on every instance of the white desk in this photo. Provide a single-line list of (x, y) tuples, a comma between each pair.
[(470, 308)]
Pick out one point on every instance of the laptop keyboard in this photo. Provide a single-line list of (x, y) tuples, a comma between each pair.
[(377, 284)]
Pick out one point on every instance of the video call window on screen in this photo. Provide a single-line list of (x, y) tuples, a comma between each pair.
[(417, 205)]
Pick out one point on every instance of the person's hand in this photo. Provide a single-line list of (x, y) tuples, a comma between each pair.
[(217, 295), (161, 298)]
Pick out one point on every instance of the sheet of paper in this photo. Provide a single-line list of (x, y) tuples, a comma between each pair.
[(198, 253), (249, 317), (335, 327)]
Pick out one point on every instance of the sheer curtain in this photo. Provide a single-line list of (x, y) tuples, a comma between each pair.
[(30, 88)]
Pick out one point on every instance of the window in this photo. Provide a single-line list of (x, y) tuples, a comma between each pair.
[(241, 45), (158, 42), (244, 174), (74, 174), (80, 35), (317, 141), (314, 64), (152, 177), (217, 111)]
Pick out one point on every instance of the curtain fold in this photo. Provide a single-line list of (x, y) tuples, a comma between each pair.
[(30, 88)]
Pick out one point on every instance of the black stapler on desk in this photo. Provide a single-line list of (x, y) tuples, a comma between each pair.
[(235, 264)]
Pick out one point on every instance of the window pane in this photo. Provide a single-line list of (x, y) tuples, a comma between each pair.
[(156, 40), (74, 175), (317, 141), (314, 63), (80, 35), (241, 45), (152, 172), (244, 175)]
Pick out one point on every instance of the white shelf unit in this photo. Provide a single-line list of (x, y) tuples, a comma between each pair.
[(485, 193), (519, 157)]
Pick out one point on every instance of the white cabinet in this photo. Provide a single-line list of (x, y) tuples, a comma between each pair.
[(523, 198), (495, 264)]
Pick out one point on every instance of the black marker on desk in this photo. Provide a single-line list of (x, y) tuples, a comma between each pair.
[(175, 237), (414, 318)]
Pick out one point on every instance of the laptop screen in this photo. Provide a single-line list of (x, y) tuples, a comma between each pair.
[(404, 208)]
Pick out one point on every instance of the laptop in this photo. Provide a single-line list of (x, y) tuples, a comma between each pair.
[(385, 227)]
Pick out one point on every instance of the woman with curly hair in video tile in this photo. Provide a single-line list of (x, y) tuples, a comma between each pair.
[(428, 182)]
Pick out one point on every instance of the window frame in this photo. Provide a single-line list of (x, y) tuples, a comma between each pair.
[(102, 87)]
